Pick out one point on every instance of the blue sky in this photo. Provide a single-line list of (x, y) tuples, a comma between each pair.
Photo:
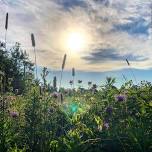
[(98, 77), (114, 30)]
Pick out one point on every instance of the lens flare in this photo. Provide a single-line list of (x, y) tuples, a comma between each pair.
[(74, 107)]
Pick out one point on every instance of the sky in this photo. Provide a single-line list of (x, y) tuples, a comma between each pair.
[(96, 35)]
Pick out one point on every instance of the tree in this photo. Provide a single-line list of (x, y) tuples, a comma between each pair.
[(16, 66)]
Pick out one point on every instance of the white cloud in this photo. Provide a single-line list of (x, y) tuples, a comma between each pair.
[(49, 21)]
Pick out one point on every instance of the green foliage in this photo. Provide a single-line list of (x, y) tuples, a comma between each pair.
[(85, 122), (14, 63)]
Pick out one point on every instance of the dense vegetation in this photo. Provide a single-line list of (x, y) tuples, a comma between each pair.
[(39, 119), (15, 66)]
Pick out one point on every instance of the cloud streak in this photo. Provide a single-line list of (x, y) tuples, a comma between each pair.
[(110, 54)]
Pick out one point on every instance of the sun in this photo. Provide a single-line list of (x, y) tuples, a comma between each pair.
[(76, 41)]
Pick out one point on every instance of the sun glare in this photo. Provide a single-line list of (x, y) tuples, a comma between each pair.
[(76, 41)]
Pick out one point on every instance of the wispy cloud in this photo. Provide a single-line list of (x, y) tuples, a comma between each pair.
[(117, 29)]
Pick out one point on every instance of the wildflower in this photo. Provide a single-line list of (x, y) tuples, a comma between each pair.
[(109, 110), (94, 91), (89, 83), (135, 86), (71, 82), (82, 90), (55, 95), (94, 86), (14, 114), (79, 81), (106, 125), (120, 98)]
